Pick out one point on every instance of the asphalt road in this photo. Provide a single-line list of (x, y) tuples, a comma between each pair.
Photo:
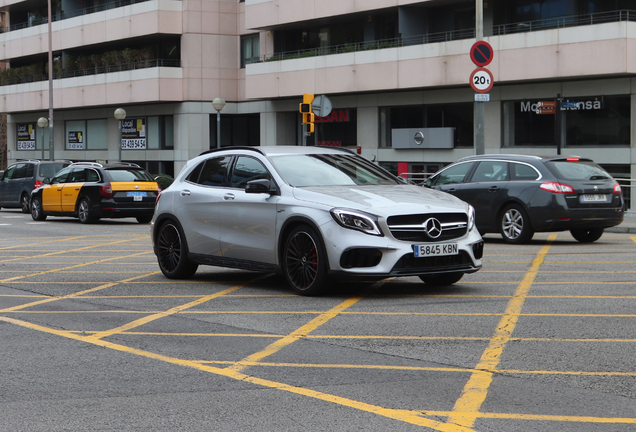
[(94, 338)]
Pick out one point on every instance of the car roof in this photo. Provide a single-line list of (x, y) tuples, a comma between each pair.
[(522, 157), (285, 150)]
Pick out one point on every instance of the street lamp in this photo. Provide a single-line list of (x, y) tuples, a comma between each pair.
[(218, 104), (42, 123), (120, 114)]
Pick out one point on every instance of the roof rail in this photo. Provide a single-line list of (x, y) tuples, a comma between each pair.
[(95, 164), (130, 164), (256, 149)]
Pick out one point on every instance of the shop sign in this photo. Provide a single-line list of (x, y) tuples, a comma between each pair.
[(75, 140), (549, 107), (336, 116), (26, 136), (133, 134)]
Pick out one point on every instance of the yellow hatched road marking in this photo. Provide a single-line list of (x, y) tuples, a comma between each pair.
[(77, 294), (75, 250), (299, 333), (406, 416), (169, 312), (476, 389), (40, 243)]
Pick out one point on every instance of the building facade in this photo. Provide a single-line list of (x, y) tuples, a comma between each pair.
[(391, 68)]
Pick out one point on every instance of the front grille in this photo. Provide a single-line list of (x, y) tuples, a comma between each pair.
[(412, 227), (409, 264)]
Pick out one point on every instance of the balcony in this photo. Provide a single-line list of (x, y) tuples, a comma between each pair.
[(565, 48)]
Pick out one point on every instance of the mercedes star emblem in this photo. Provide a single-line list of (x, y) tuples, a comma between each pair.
[(433, 228)]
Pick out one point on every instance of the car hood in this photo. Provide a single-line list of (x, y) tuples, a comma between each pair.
[(382, 199)]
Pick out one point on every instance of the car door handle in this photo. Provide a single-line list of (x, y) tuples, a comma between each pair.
[(451, 189), (228, 197), (184, 193), (493, 188), (59, 189)]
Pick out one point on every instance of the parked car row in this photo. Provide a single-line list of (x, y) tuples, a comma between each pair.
[(319, 214), (86, 190)]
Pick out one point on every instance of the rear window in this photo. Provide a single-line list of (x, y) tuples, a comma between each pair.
[(129, 175), (49, 170), (577, 170)]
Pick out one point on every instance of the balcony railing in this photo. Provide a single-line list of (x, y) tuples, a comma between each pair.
[(6, 80), (498, 30), (59, 16), (567, 21)]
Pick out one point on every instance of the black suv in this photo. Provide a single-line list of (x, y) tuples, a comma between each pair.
[(518, 195), (17, 181)]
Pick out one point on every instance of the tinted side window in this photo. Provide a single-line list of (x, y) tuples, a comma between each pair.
[(20, 171), (61, 176), (78, 175), (248, 169), (523, 172), (455, 174), (92, 175), (30, 168), (214, 172), (491, 171), (8, 174), (194, 175)]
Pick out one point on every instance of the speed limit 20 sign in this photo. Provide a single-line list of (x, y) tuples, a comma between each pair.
[(481, 80)]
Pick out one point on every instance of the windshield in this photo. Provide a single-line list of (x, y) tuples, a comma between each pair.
[(577, 170), (129, 175), (330, 170)]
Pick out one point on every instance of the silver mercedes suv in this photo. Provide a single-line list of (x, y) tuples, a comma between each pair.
[(312, 214)]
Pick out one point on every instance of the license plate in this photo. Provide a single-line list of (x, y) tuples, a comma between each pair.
[(593, 198), (441, 249), (137, 195)]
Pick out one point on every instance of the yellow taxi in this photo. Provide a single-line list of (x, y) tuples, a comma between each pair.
[(91, 191)]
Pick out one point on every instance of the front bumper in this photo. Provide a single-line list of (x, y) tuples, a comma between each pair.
[(355, 254)]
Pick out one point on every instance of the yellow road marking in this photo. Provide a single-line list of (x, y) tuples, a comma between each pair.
[(172, 311), (74, 250), (476, 389), (396, 414), (299, 333), (40, 243), (77, 294), (541, 417)]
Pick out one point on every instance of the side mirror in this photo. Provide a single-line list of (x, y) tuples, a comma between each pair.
[(428, 183), (260, 186), (46, 180)]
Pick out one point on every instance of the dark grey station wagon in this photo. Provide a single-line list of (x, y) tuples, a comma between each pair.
[(518, 195)]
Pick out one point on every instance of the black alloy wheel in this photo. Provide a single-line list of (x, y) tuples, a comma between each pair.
[(304, 261), (84, 212), (443, 279), (36, 209), (24, 202), (172, 253), (587, 235), (514, 225)]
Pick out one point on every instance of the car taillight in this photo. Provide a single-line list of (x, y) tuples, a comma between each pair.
[(557, 187), (158, 196), (617, 188), (106, 191), (38, 184)]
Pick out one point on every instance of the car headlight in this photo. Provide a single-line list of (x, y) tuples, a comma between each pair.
[(357, 220), (471, 217)]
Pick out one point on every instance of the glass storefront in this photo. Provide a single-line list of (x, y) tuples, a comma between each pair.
[(584, 121)]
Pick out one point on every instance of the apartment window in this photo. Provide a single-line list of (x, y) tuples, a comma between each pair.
[(585, 121), (250, 49), (458, 116), (160, 132), (236, 130)]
